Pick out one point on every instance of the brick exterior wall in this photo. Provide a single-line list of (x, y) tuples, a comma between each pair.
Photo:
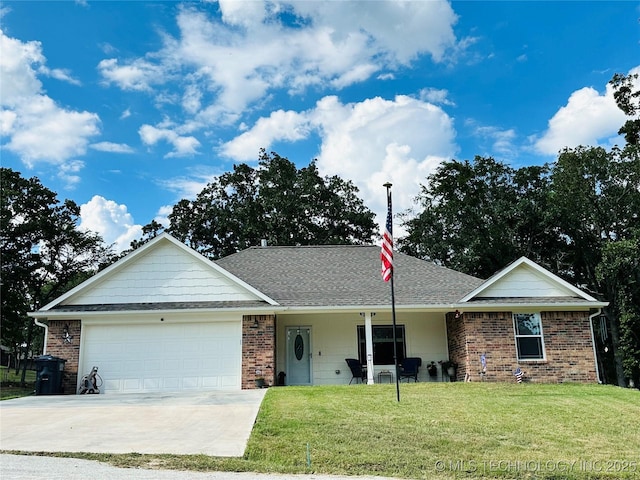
[(57, 347), (567, 340), (258, 349), (457, 339)]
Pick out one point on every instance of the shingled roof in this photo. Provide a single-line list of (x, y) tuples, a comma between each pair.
[(343, 276)]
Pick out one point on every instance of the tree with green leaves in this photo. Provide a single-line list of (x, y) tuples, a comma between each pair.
[(627, 97), (277, 202), (477, 216), (44, 254), (579, 217), (596, 203)]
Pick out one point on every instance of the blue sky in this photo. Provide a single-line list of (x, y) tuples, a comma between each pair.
[(128, 107)]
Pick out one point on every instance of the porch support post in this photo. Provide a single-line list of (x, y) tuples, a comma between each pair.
[(368, 335)]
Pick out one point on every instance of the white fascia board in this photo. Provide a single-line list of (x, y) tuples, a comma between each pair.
[(543, 271), (136, 253), (372, 308), (506, 305), (55, 314)]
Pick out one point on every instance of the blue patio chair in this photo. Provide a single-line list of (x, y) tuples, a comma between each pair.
[(357, 371), (409, 368)]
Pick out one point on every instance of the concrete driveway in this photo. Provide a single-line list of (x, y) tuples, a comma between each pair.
[(211, 423)]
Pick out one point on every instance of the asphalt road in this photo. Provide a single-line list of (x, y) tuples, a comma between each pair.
[(19, 467)]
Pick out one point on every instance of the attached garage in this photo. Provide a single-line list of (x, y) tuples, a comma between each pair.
[(164, 356), (164, 318)]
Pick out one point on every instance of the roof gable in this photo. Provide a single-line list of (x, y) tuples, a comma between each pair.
[(163, 270), (525, 279)]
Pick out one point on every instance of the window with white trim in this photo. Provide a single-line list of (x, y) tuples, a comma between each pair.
[(529, 338), (382, 344)]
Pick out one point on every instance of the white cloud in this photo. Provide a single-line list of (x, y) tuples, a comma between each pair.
[(112, 147), (501, 141), (371, 142), (37, 128), (182, 146), (242, 13), (191, 184), (232, 62), (588, 118), (17, 73), (162, 217), (68, 172), (112, 221), (59, 74), (399, 30), (139, 75), (284, 126), (401, 140), (435, 95), (7, 120), (43, 131), (386, 76)]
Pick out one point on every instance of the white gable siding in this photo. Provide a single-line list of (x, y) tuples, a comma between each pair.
[(165, 274), (525, 282)]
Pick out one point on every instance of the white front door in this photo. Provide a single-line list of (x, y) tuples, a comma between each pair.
[(298, 355)]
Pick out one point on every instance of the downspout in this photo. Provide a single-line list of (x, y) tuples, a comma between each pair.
[(46, 334), (593, 342)]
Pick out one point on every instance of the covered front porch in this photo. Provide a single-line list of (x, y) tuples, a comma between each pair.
[(312, 348)]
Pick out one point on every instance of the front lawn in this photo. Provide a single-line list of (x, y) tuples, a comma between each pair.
[(438, 430), (446, 429)]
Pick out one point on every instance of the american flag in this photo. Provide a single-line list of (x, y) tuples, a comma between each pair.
[(518, 374), (387, 248)]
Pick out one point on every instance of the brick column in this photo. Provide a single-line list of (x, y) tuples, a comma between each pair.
[(258, 349), (67, 350), (457, 343)]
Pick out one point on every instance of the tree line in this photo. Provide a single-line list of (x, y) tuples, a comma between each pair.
[(578, 216)]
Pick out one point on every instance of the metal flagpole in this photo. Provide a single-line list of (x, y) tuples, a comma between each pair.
[(393, 298)]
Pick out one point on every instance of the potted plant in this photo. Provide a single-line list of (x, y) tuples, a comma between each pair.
[(432, 369), (259, 382), (449, 367)]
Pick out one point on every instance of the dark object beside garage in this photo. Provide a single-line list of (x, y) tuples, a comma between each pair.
[(49, 372)]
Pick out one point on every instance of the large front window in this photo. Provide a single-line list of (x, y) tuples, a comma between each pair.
[(382, 344), (529, 341)]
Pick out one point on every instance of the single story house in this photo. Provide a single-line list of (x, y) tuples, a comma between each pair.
[(165, 318)]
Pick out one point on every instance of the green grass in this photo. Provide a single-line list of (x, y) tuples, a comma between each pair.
[(438, 430), (10, 383)]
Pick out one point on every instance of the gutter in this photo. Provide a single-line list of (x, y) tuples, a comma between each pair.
[(46, 334), (593, 342), (275, 309)]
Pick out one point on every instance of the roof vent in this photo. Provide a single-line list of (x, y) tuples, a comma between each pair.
[(263, 242)]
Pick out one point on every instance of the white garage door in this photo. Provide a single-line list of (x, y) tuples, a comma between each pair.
[(166, 357)]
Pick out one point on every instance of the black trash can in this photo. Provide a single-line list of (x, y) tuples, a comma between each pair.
[(49, 372)]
